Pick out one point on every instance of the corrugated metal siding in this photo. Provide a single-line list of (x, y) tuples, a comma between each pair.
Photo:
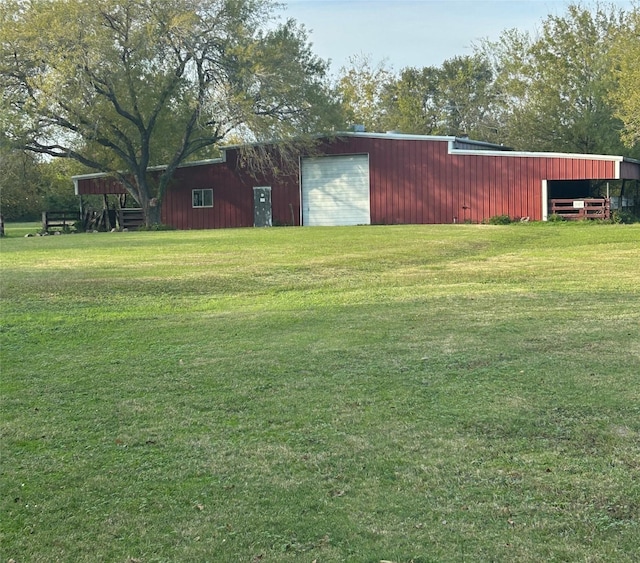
[(420, 182), (99, 186), (232, 197), (411, 181), (232, 200)]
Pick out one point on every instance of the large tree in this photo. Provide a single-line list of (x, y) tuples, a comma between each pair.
[(360, 88), (467, 97), (555, 87), (454, 99), (410, 101), (123, 85), (626, 65)]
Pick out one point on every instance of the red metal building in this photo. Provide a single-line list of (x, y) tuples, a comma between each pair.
[(368, 178)]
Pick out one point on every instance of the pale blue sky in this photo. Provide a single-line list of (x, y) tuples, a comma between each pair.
[(414, 32)]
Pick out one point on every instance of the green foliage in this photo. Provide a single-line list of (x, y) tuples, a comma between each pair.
[(360, 88), (555, 88), (410, 101), (625, 217), (455, 99), (568, 89), (20, 185), (29, 185), (59, 194), (555, 218), (466, 98), (156, 227), (122, 86), (499, 220), (625, 55)]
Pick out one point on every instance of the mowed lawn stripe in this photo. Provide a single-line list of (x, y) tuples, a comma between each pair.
[(425, 393)]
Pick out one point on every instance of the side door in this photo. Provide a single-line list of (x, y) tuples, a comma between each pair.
[(262, 213)]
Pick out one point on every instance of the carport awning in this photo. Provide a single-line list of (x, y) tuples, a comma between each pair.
[(629, 169), (97, 184)]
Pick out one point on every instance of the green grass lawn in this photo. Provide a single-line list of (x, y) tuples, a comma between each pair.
[(21, 229), (410, 393)]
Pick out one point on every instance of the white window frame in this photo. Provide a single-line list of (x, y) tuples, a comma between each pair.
[(203, 199)]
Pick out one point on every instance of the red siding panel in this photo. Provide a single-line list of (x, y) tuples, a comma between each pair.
[(232, 197), (411, 181), (99, 186)]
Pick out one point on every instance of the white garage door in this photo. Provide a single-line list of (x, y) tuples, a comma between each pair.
[(335, 190)]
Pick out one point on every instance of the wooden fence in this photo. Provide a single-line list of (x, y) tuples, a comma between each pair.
[(59, 220), (584, 208), (127, 218), (130, 218)]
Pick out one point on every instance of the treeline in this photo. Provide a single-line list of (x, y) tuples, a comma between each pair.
[(574, 86), (30, 185)]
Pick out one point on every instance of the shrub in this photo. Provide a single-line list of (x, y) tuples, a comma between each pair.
[(625, 217), (499, 220), (156, 227)]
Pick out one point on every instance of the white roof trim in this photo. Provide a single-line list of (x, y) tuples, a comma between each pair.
[(89, 176), (151, 168), (401, 136), (525, 154)]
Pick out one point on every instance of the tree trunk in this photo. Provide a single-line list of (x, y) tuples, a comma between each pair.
[(152, 212), (151, 206)]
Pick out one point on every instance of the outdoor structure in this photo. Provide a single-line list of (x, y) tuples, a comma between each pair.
[(370, 178)]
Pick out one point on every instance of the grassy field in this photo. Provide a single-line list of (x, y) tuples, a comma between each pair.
[(13, 230), (410, 393)]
